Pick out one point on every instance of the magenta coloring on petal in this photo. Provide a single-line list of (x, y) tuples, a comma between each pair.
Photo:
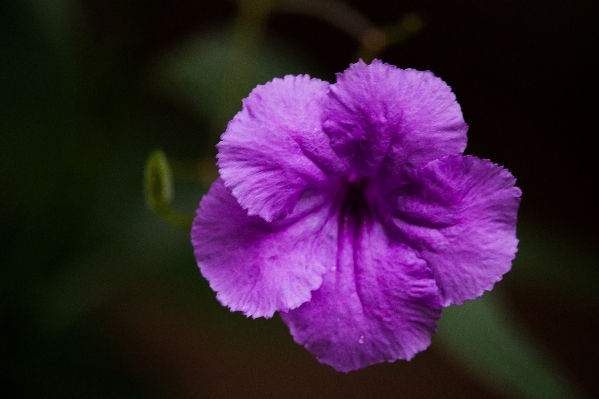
[(350, 209)]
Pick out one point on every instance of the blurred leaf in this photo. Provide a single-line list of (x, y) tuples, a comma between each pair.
[(558, 261), (480, 336), (479, 333), (194, 73), (59, 18)]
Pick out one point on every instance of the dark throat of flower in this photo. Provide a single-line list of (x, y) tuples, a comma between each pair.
[(355, 213)]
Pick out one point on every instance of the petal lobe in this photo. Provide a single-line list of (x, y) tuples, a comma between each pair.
[(379, 302), (274, 148), (258, 267), (466, 225)]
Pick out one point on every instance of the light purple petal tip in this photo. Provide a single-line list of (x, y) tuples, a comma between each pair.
[(274, 148), (256, 267)]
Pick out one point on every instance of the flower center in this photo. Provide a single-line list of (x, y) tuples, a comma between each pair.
[(354, 208)]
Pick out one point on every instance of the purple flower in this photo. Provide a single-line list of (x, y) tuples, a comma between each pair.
[(350, 209)]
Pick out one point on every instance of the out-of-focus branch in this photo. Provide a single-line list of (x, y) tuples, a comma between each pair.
[(248, 31), (335, 12), (373, 39)]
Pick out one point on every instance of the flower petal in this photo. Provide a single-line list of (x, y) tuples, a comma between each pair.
[(258, 267), (379, 302), (274, 148), (460, 214), (406, 117)]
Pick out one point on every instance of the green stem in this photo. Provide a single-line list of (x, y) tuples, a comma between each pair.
[(159, 190)]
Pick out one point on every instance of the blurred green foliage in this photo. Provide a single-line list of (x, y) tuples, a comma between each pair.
[(84, 261)]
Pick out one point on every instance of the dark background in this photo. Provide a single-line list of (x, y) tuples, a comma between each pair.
[(100, 298)]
